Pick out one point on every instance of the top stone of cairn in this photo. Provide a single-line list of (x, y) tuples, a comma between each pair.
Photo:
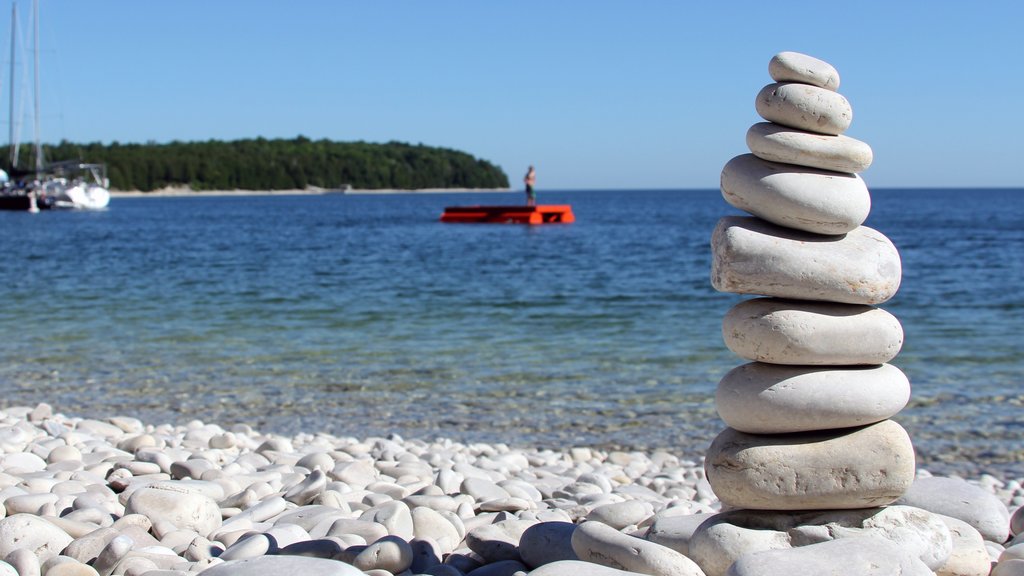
[(797, 67)]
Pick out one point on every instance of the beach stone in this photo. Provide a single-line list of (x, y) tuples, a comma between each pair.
[(1008, 568), (759, 398), (184, 509), (7, 569), (278, 565), (850, 468), (779, 331), (797, 67), (960, 499), (869, 556), (501, 568), (23, 561), (619, 515), (70, 568), (1017, 521), (675, 532), (808, 199), (499, 541), (578, 568), (721, 540), (601, 544), (390, 553), (547, 542), (428, 523), (777, 143), (751, 256), (968, 556), (804, 107), (33, 533), (395, 516)]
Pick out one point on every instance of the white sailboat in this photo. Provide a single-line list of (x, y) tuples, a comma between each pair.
[(68, 184)]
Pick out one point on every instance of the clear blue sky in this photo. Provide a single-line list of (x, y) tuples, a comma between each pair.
[(595, 93)]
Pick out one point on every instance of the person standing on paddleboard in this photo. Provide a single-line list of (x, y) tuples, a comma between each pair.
[(530, 179)]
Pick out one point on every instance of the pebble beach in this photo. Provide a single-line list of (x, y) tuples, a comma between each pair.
[(118, 496)]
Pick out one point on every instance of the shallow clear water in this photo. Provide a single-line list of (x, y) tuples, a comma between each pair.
[(365, 315)]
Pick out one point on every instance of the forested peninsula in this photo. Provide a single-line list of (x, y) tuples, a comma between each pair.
[(283, 164)]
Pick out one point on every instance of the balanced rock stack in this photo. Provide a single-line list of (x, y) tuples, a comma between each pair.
[(808, 417)]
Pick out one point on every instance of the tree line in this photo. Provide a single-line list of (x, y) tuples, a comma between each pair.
[(282, 164)]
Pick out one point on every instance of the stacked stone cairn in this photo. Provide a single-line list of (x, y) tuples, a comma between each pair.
[(809, 444)]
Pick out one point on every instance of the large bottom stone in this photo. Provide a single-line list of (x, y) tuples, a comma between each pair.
[(727, 537), (839, 469)]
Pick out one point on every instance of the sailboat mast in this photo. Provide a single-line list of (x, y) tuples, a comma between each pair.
[(39, 145), (13, 135)]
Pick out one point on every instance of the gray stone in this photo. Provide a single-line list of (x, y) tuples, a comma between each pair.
[(547, 542), (797, 67), (850, 468), (759, 398), (962, 500), (805, 107), (501, 568), (602, 544), (278, 565), (751, 256), (675, 531), (1017, 521), (777, 143), (500, 541), (808, 199), (779, 331), (869, 556), (1009, 568)]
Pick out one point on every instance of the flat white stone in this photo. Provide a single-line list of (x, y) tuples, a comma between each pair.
[(751, 256), (601, 544), (848, 468), (759, 398), (807, 199), (804, 107), (278, 565), (779, 331), (779, 143), (797, 67)]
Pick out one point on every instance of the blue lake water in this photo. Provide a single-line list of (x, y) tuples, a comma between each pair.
[(362, 314)]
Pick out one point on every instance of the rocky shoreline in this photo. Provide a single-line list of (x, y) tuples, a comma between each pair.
[(117, 496)]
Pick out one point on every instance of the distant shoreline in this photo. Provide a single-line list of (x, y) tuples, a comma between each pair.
[(186, 191)]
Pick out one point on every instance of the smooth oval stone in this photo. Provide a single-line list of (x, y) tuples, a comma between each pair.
[(578, 568), (868, 556), (547, 542), (751, 256), (777, 143), (619, 515), (807, 199), (34, 533), (760, 398), (183, 509), (497, 542), (390, 553), (675, 531), (805, 107), (601, 544), (795, 332), (849, 468), (797, 67), (964, 501)]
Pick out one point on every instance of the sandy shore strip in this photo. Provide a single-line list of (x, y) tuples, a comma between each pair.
[(312, 191), (118, 496)]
